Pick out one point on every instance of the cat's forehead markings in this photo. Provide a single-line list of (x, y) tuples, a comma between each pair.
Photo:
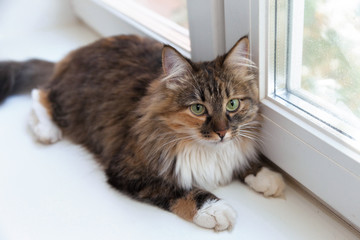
[(227, 91)]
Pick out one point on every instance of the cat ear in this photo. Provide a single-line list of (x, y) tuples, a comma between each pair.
[(175, 66), (239, 55)]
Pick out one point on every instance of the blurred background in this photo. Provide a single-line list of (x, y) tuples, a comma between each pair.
[(175, 10), (331, 52), (48, 29), (43, 29)]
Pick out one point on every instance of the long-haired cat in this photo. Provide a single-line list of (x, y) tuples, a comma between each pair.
[(165, 129)]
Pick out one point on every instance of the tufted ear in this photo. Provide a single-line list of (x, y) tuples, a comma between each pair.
[(175, 66), (239, 55)]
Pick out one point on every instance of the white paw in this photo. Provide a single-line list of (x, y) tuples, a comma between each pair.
[(45, 132), (268, 182), (215, 214), (44, 129)]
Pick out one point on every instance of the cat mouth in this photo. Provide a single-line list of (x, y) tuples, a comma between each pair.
[(218, 141), (224, 140)]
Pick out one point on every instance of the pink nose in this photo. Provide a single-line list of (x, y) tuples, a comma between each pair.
[(221, 133)]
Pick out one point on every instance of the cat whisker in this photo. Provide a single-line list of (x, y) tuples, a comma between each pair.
[(253, 138), (250, 123), (254, 125), (250, 132), (176, 140), (250, 129)]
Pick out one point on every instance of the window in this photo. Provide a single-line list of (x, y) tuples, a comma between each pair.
[(310, 87), (315, 61), (175, 11), (202, 38), (165, 18), (308, 78)]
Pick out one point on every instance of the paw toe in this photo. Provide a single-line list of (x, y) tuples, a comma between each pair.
[(215, 214), (270, 183), (47, 134)]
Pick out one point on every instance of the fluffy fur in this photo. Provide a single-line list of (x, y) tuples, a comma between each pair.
[(212, 167), (129, 100)]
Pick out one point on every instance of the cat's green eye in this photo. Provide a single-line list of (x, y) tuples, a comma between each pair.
[(232, 105), (197, 109)]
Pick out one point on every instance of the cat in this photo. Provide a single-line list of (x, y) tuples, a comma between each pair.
[(166, 130)]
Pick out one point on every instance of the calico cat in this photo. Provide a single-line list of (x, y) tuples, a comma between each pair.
[(165, 129)]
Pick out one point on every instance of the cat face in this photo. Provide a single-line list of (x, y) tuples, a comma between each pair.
[(212, 102)]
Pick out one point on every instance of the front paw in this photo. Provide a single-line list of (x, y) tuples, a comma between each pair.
[(215, 214), (268, 182)]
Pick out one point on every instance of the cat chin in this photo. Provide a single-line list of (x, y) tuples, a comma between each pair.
[(214, 142)]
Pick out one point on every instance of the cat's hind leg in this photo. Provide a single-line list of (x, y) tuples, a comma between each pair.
[(41, 123)]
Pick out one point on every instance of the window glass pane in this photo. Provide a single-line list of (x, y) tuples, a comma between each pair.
[(331, 53), (280, 41), (174, 10), (163, 20), (314, 59)]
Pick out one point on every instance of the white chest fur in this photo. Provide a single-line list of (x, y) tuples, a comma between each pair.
[(207, 166)]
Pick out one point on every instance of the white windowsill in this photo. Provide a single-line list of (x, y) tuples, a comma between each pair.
[(59, 192)]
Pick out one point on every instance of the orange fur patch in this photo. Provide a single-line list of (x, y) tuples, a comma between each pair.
[(190, 119), (185, 208), (184, 119)]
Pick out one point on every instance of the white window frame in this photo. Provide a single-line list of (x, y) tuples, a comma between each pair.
[(206, 28), (339, 120), (305, 150)]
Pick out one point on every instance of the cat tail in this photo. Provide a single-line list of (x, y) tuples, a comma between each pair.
[(19, 77)]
